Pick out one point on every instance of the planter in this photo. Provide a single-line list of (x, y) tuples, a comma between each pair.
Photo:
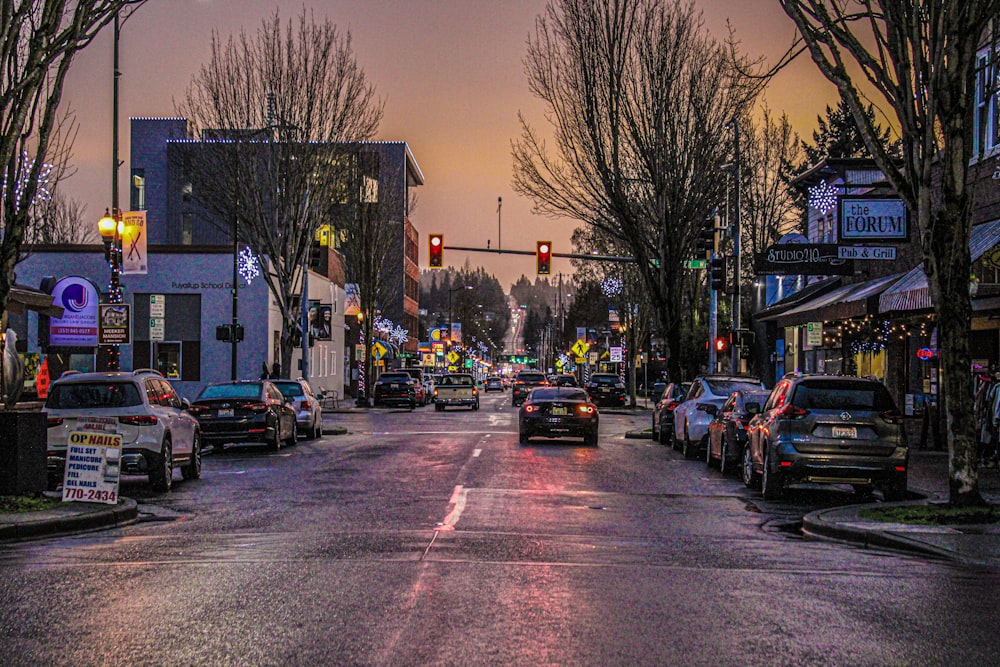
[(22, 453)]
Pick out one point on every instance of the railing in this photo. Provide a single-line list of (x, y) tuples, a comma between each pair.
[(329, 399)]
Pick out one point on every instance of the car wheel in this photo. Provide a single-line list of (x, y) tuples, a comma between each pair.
[(161, 475), (318, 428), (652, 427), (413, 405), (725, 467), (293, 436), (523, 437), (275, 443), (895, 490), (193, 469), (590, 440), (772, 486), (746, 470), (475, 405), (708, 453), (687, 449)]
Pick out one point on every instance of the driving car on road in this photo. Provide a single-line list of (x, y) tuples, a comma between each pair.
[(308, 412), (395, 388), (663, 411), (727, 432), (606, 389), (493, 383), (158, 433), (828, 429), (558, 411), (245, 411), (691, 417), (456, 389), (524, 382), (564, 380)]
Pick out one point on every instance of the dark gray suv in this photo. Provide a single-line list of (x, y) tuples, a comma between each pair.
[(827, 429)]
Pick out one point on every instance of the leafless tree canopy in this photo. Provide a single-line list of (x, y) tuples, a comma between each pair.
[(921, 62), (768, 205), (38, 41), (638, 96), (61, 219), (279, 109)]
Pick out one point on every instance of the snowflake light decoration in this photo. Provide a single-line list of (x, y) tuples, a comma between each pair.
[(247, 265), (395, 333), (611, 286), (822, 197)]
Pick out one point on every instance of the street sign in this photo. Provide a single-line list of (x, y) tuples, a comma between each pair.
[(866, 252), (157, 305), (114, 324), (695, 263), (156, 328), (580, 348), (379, 350), (452, 357), (616, 354), (814, 334)]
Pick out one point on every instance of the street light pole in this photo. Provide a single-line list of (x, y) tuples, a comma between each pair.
[(735, 349)]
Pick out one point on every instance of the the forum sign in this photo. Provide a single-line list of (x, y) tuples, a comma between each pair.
[(866, 218)]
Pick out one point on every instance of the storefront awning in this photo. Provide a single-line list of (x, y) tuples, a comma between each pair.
[(844, 302), (912, 293), (795, 299)]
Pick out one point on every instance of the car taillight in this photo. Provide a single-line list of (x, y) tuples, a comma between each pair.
[(55, 421), (256, 407), (672, 404), (475, 390), (197, 409), (792, 411), (435, 392), (586, 409), (305, 405), (528, 407), (138, 420), (892, 416)]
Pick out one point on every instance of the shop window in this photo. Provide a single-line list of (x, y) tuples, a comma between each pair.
[(138, 190), (986, 127)]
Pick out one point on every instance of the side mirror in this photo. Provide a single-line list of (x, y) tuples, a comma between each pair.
[(186, 404), (753, 408)]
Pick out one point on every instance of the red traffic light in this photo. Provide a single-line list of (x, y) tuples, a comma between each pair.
[(543, 258), (436, 256), (720, 344)]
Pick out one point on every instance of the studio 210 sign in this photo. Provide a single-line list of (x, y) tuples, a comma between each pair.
[(866, 218)]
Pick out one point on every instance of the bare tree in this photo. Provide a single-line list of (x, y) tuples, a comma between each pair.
[(639, 97), (278, 112), (38, 41), (920, 58), (61, 219)]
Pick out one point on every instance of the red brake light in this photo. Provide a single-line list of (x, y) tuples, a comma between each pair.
[(792, 411), (672, 404), (892, 416), (528, 407), (256, 407), (305, 405), (55, 421), (138, 420), (197, 409), (586, 409)]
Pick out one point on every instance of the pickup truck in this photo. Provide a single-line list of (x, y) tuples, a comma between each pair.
[(456, 389)]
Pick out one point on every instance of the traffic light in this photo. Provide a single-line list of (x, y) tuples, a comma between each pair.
[(720, 344), (315, 255), (706, 238), (543, 257), (717, 271), (742, 338), (436, 257)]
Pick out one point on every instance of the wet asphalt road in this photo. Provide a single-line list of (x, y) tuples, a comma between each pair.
[(424, 538)]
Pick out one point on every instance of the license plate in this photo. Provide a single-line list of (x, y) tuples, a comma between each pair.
[(604, 390), (225, 412), (850, 432), (394, 386), (559, 411)]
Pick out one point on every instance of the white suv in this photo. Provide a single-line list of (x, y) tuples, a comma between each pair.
[(157, 431)]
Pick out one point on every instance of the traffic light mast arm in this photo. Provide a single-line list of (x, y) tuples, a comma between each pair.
[(566, 255)]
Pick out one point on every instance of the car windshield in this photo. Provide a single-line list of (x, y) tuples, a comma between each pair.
[(289, 389), (456, 380), (248, 390), (727, 387), (604, 379), (558, 394), (531, 377), (840, 395), (394, 377), (71, 396), (758, 397)]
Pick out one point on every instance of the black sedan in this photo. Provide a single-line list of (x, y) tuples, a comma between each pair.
[(558, 411), (727, 433), (254, 411), (663, 411)]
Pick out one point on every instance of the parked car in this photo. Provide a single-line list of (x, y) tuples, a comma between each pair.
[(663, 411), (558, 411), (245, 411), (524, 382), (727, 432), (308, 411), (493, 383), (430, 382), (606, 389), (158, 433), (691, 417), (395, 388), (456, 389), (828, 429), (422, 396)]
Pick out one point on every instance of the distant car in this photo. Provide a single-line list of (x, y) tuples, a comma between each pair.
[(558, 411), (524, 382), (456, 389), (691, 417), (422, 395), (828, 429), (663, 410), (395, 388), (308, 412), (493, 383), (245, 411), (727, 432), (565, 380), (506, 382), (606, 389), (158, 433)]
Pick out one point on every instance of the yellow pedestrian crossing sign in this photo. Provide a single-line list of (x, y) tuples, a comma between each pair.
[(452, 357), (378, 350), (580, 347)]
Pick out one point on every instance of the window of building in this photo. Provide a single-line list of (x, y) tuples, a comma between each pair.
[(986, 128), (187, 228), (138, 190), (168, 358), (179, 355)]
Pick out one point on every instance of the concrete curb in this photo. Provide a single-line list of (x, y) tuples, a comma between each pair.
[(68, 519)]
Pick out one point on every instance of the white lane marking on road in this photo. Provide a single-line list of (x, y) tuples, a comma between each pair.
[(458, 501), (476, 453)]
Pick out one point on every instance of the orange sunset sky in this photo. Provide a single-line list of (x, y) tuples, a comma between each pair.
[(450, 72)]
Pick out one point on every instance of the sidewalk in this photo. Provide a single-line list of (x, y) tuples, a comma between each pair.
[(967, 544)]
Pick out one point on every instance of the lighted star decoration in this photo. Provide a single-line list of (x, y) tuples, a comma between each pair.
[(247, 265), (611, 286), (822, 197), (42, 192)]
